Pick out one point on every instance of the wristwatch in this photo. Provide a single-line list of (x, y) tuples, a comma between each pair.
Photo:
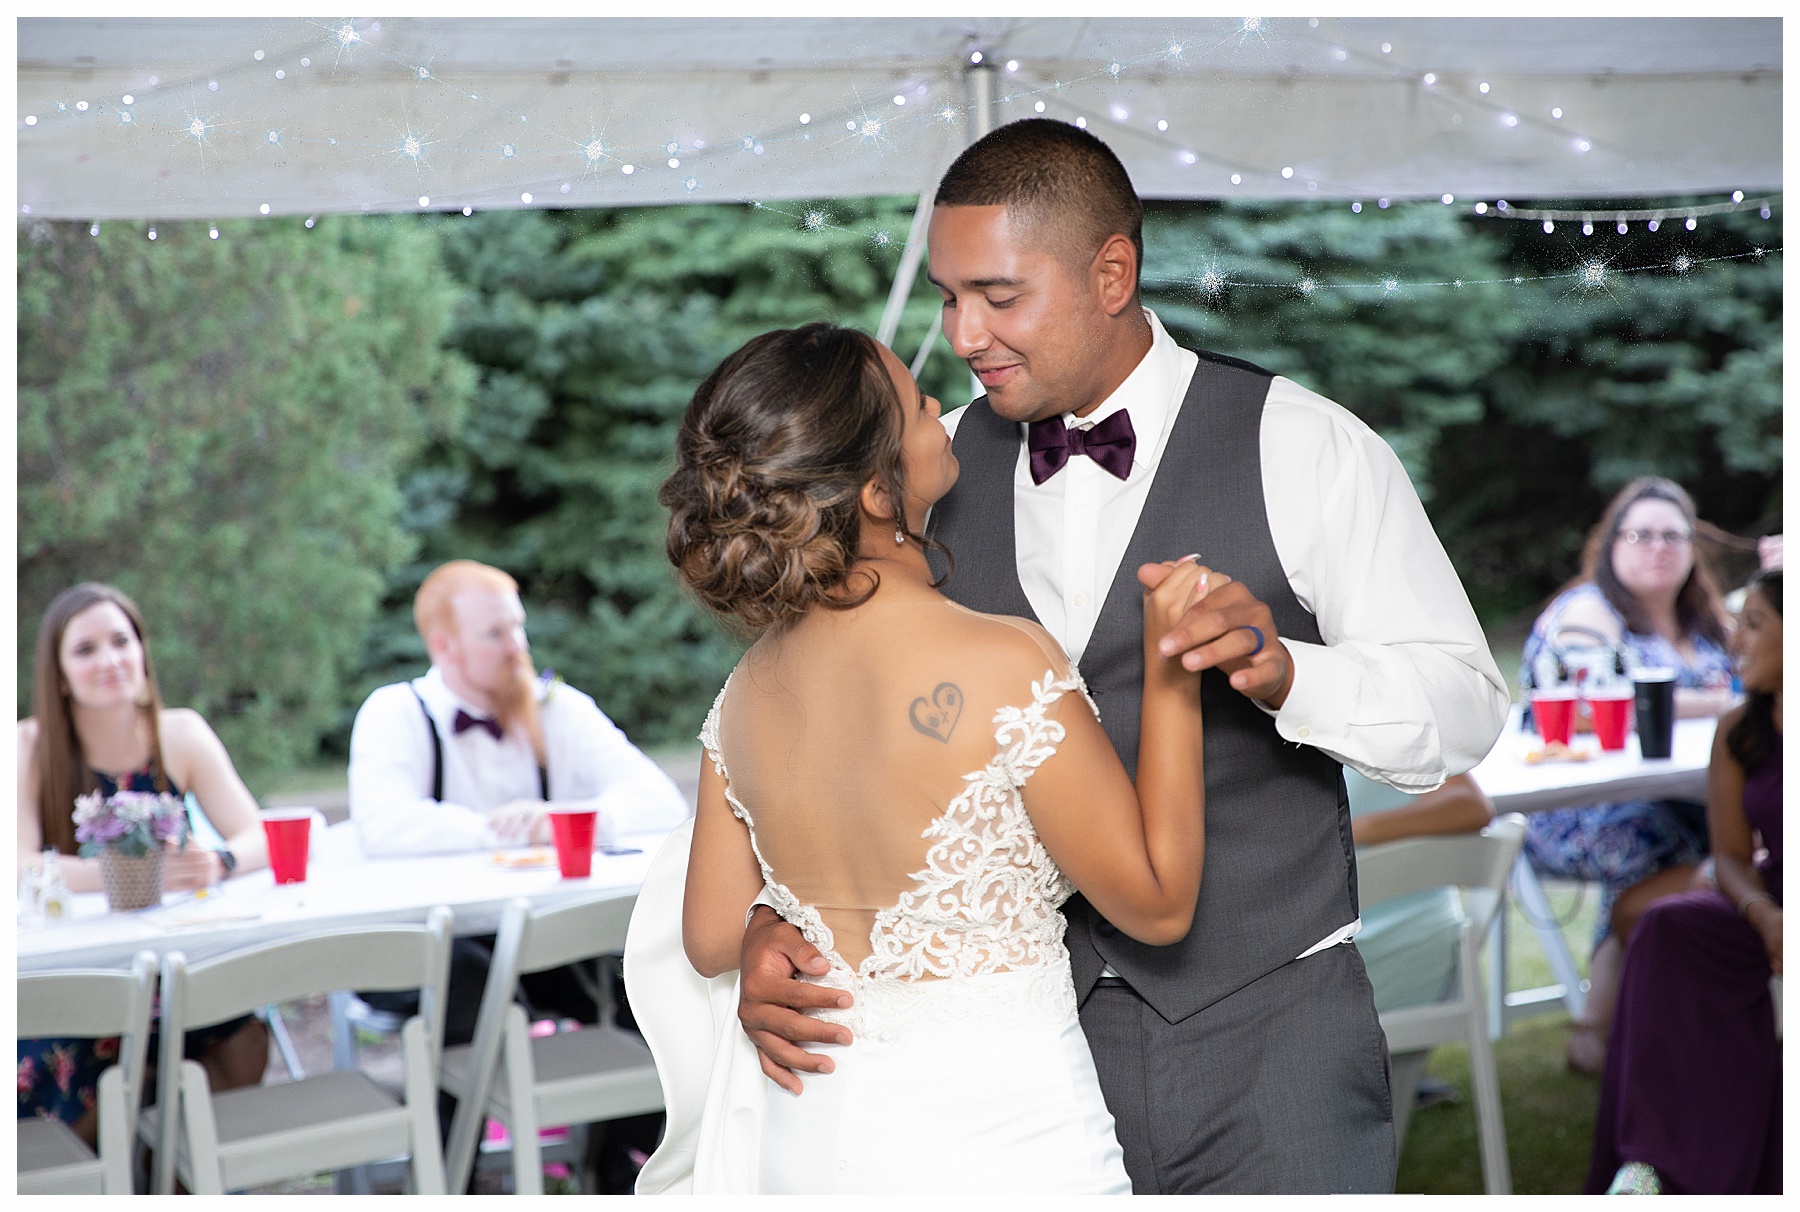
[(229, 860)]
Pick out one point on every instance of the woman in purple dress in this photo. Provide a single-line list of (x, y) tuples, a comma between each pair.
[(1691, 1100)]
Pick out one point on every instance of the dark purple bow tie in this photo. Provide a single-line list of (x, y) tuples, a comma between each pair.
[(1111, 443), (465, 721)]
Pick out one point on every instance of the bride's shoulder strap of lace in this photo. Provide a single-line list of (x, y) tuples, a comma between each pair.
[(709, 731), (1062, 674)]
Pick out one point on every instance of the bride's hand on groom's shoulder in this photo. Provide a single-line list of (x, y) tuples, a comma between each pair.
[(772, 996), (1227, 628)]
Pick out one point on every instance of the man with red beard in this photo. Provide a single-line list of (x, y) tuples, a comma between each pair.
[(471, 755)]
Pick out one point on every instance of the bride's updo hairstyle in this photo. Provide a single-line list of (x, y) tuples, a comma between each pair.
[(765, 503)]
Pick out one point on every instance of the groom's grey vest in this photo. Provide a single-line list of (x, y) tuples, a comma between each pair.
[(1280, 873)]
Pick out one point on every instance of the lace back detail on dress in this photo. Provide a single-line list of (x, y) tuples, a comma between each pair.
[(987, 899)]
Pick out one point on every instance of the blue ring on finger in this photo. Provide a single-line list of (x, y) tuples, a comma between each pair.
[(1257, 632)]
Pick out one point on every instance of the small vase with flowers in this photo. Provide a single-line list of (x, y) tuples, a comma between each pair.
[(126, 831)]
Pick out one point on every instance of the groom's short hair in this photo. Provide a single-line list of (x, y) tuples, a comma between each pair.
[(1055, 176)]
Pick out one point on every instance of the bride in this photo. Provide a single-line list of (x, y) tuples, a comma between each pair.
[(916, 786)]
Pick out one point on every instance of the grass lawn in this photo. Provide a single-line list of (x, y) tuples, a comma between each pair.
[(1549, 1111)]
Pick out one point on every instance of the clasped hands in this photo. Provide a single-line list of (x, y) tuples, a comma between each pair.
[(773, 992), (520, 823)]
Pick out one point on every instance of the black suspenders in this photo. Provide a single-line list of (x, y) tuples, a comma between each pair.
[(437, 755)]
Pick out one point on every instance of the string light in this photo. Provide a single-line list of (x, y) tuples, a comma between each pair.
[(1652, 216), (352, 37)]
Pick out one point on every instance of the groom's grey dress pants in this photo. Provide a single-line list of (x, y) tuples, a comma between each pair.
[(1280, 1087)]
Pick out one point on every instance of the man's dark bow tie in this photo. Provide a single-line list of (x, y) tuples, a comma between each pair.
[(1111, 443), (465, 721)]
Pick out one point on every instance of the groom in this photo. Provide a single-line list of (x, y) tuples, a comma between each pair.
[(1248, 1057)]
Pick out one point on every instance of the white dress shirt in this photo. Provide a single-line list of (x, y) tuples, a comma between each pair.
[(588, 761), (1403, 688)]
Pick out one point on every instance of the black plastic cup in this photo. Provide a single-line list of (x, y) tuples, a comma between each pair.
[(1655, 705)]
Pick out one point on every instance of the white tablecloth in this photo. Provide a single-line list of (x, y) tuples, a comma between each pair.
[(342, 889), (1606, 778)]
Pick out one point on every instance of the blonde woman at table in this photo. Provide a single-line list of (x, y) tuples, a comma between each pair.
[(1643, 590), (917, 786), (99, 724)]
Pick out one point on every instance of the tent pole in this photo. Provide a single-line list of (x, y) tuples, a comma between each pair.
[(979, 78), (909, 264)]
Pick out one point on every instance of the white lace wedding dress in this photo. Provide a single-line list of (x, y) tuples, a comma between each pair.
[(969, 1071)]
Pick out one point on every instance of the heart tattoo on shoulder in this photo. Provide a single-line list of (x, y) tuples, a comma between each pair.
[(936, 717)]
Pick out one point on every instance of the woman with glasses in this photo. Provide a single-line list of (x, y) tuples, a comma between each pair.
[(1640, 590)]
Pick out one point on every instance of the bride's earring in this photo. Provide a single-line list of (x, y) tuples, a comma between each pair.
[(899, 535)]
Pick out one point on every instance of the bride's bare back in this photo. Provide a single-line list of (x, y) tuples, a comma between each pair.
[(914, 781), (848, 740)]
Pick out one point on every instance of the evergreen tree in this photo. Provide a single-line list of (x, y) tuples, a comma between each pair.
[(591, 330), (217, 426), (1517, 408)]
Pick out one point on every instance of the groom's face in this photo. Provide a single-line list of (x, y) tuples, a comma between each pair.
[(1017, 310)]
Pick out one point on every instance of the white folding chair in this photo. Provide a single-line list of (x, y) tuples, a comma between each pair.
[(88, 1005), (1478, 865), (553, 1081), (263, 1134)]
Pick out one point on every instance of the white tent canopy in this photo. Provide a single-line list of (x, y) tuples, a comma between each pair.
[(146, 118)]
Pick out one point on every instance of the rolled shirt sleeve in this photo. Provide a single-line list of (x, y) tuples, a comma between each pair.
[(1404, 688)]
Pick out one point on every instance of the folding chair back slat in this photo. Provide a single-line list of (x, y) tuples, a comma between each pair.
[(376, 958), (1471, 861), (575, 932)]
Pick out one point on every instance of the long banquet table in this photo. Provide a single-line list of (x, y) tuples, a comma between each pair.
[(343, 889), (1516, 786)]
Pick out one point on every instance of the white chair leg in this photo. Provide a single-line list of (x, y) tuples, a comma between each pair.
[(528, 1163), (201, 1132), (114, 1133), (1490, 1124), (421, 1103)]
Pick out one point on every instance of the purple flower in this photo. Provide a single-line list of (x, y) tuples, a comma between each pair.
[(131, 822)]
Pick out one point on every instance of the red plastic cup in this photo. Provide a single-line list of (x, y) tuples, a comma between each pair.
[(1554, 713), (290, 836), (1612, 719), (573, 829)]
